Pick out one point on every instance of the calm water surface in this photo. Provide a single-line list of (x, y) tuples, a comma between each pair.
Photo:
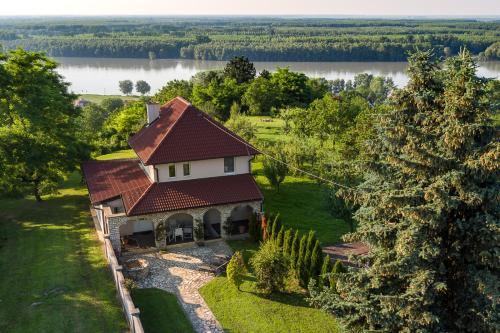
[(101, 75)]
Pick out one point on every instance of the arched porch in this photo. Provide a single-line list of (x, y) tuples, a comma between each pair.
[(240, 218), (137, 234), (212, 224), (179, 228)]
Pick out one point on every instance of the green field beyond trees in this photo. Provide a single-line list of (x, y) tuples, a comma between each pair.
[(260, 39)]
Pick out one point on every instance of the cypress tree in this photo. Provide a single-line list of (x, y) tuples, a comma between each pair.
[(276, 227), (294, 250), (325, 269), (269, 227), (287, 241), (316, 260), (279, 237), (429, 210), (300, 266), (337, 268), (311, 241)]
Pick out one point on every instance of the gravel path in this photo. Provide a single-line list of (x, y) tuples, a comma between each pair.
[(180, 271)]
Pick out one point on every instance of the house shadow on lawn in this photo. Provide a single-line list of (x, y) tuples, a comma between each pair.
[(58, 279)]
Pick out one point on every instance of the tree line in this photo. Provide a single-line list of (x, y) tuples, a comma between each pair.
[(261, 39)]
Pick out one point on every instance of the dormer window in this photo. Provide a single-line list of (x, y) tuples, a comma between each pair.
[(171, 170), (228, 164), (186, 169)]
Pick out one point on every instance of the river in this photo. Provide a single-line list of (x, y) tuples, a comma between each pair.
[(101, 75)]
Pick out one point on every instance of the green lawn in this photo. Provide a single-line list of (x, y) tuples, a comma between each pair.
[(54, 275), (98, 98), (268, 128), (160, 311), (129, 153), (249, 311), (302, 205)]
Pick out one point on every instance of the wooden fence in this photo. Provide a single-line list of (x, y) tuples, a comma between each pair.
[(129, 309), (131, 312)]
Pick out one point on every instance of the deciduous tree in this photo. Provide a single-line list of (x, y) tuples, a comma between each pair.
[(126, 86), (39, 144)]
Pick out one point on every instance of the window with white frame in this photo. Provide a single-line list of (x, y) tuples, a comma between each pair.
[(186, 169), (171, 170), (228, 164)]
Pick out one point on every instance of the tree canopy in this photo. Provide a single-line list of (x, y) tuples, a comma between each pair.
[(38, 125), (126, 86)]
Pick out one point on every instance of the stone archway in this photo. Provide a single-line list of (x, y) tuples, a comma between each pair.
[(240, 218), (212, 224), (179, 228)]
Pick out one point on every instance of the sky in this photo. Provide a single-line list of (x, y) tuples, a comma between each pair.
[(253, 7)]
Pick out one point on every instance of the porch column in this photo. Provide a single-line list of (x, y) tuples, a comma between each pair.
[(225, 214), (197, 223), (160, 232), (114, 232)]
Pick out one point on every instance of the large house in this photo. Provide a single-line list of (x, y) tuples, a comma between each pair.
[(191, 174)]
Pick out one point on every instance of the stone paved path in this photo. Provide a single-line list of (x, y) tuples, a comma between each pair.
[(180, 272)]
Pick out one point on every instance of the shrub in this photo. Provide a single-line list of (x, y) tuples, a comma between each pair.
[(236, 269), (270, 266), (325, 268)]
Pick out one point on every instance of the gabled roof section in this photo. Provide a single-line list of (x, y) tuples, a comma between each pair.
[(184, 133), (114, 178)]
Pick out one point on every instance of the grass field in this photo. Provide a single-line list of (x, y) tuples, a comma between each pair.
[(54, 275), (249, 311), (98, 98), (160, 312), (268, 128)]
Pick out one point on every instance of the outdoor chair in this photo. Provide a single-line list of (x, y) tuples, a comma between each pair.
[(178, 232)]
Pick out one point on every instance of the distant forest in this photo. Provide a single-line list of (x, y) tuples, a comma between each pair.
[(260, 39)]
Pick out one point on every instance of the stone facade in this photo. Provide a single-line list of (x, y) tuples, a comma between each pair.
[(115, 221)]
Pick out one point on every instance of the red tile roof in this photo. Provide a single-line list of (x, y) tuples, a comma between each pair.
[(195, 193), (184, 133), (110, 179), (107, 180)]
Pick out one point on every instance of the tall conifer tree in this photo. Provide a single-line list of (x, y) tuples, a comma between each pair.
[(429, 210)]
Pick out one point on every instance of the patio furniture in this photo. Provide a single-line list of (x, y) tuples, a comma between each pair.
[(178, 232), (188, 232)]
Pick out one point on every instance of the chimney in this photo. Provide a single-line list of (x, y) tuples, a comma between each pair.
[(153, 111)]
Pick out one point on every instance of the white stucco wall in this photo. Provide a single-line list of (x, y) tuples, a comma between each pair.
[(204, 169), (117, 203)]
